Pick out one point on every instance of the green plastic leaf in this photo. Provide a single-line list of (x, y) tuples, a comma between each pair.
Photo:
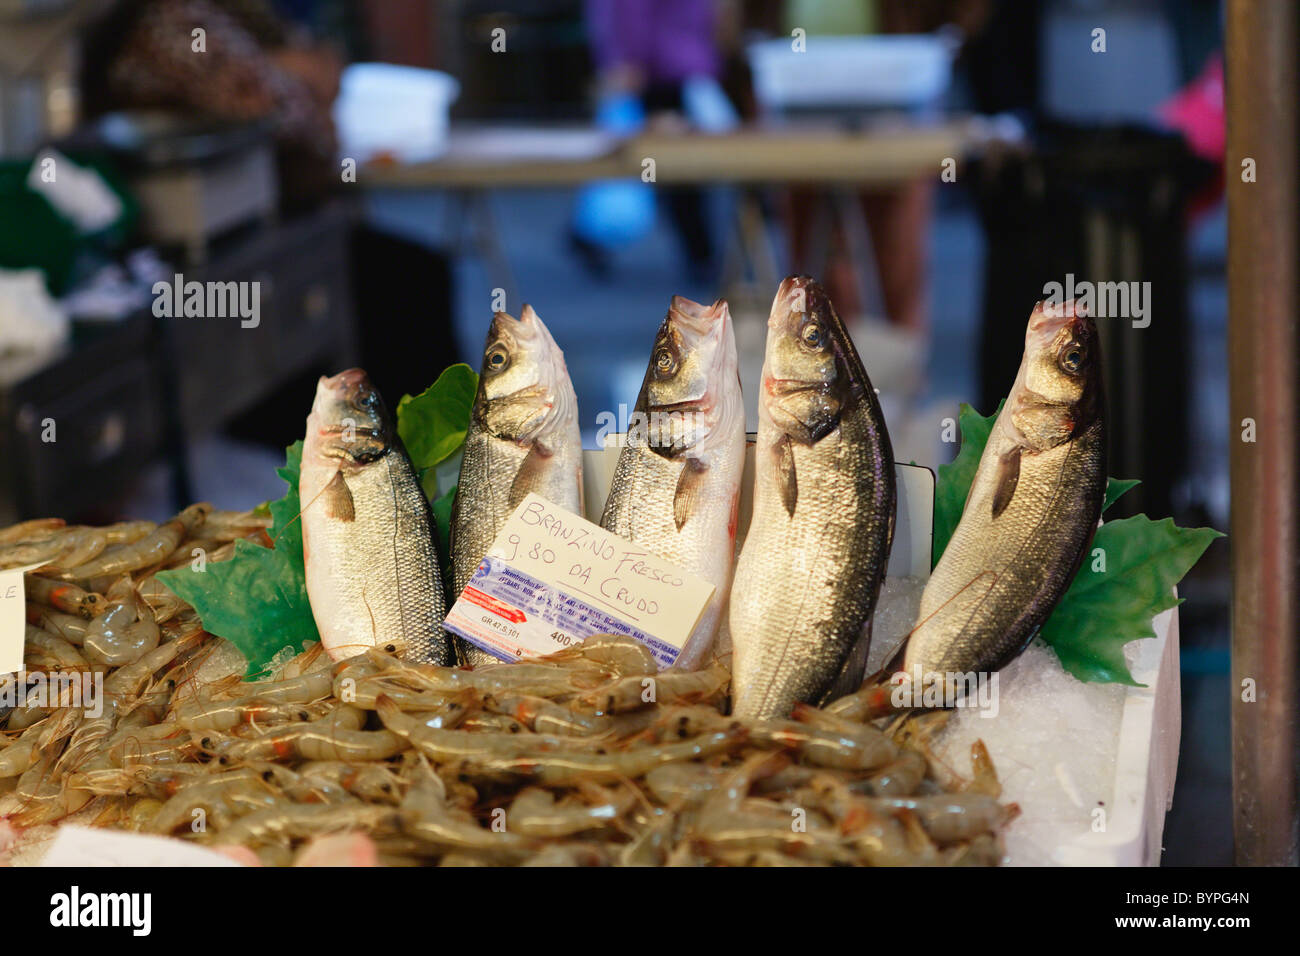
[(955, 479), (442, 520), (1126, 579), (1116, 488), (258, 599), (433, 424)]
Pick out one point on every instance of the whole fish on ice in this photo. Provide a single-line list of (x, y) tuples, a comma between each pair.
[(523, 437), (1032, 509), (367, 534), (815, 554), (676, 487)]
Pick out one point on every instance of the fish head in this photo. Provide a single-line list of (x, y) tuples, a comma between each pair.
[(524, 387), (692, 385), (349, 420), (1059, 390), (809, 367)]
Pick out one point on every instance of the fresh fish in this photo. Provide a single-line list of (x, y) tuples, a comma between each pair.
[(823, 522), (367, 535), (676, 487), (1031, 511), (523, 436)]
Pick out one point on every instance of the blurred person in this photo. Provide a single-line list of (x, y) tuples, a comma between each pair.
[(657, 63), (898, 218)]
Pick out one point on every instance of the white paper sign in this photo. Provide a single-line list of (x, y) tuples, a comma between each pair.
[(13, 617), (553, 579)]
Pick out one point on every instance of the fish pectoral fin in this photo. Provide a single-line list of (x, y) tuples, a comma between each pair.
[(529, 475), (1007, 479), (338, 499), (787, 482), (689, 483)]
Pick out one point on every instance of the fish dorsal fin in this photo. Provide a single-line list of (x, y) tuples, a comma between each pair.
[(689, 483), (1007, 477), (787, 481), (338, 499), (529, 476)]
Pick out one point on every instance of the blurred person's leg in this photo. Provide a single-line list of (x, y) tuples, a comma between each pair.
[(687, 206), (899, 224), (816, 246)]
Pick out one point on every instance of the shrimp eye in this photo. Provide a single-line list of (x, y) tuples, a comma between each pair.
[(664, 363), (812, 335), (1072, 358), (497, 359)]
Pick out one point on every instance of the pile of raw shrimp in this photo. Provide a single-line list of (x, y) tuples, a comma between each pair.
[(588, 757)]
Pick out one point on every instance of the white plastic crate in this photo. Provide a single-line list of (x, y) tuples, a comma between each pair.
[(898, 71)]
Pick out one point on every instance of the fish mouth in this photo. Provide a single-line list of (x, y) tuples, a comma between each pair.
[(785, 387), (348, 382), (704, 331), (1048, 319), (791, 297), (699, 406), (698, 319)]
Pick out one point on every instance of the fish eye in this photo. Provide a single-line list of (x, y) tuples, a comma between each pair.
[(497, 359), (664, 362), (1071, 359), (812, 336)]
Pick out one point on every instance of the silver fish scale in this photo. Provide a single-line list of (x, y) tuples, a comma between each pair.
[(806, 584), (999, 578), (384, 562), (487, 495), (640, 506)]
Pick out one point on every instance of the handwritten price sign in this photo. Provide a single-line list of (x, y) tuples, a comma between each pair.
[(552, 577)]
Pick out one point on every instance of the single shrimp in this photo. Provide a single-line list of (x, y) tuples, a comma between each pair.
[(222, 796), (726, 824), (162, 601), (152, 549), (80, 546), (899, 778), (121, 635), (302, 689), (426, 816), (62, 596), (633, 693), (537, 813), (952, 817), (128, 532), (545, 716), (684, 784), (70, 627), (621, 656), (16, 758), (43, 651), (35, 529), (202, 713), (280, 823)]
